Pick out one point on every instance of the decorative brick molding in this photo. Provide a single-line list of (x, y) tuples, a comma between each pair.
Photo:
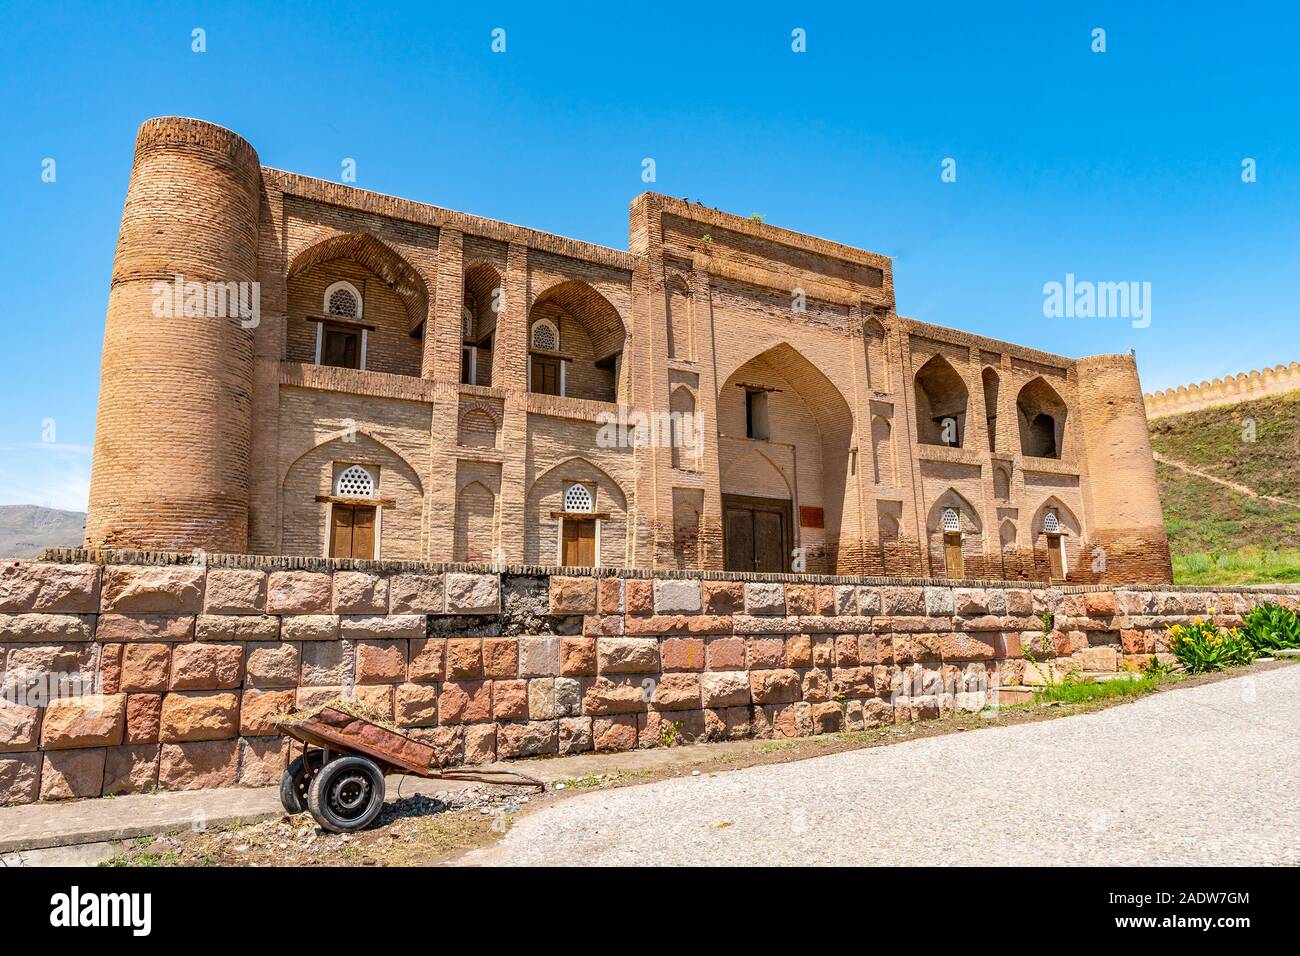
[(190, 661), (1242, 387)]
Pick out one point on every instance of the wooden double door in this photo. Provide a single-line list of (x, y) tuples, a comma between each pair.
[(758, 533), (352, 531), (578, 543)]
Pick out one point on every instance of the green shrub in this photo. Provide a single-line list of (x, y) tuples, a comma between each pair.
[(1204, 646), (1271, 627)]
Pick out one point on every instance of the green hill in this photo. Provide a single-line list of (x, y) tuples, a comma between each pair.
[(1219, 535)]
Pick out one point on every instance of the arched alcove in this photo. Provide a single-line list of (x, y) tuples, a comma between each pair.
[(1041, 414), (941, 400)]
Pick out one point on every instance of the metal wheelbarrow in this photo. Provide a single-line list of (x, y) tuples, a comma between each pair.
[(339, 778)]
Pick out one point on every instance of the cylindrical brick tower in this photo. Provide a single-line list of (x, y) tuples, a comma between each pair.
[(1126, 518), (171, 460)]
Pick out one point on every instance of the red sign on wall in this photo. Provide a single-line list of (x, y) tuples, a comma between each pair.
[(812, 518)]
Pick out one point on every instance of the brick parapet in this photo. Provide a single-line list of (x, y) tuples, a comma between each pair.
[(1242, 387)]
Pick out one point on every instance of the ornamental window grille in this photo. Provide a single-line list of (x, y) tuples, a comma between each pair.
[(546, 337), (578, 498), (951, 523), (343, 303), (355, 482), (1051, 523)]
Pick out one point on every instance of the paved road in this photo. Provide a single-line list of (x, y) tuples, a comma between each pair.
[(1207, 775)]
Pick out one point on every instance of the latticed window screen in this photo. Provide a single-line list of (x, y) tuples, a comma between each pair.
[(1051, 524), (343, 303), (355, 482), (951, 523), (545, 337), (578, 498), (467, 322)]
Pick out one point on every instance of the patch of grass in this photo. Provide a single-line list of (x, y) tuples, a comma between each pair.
[(1077, 692), (592, 780), (141, 859), (775, 745), (1248, 565)]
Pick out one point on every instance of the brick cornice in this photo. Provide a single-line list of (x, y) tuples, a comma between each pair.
[(364, 200)]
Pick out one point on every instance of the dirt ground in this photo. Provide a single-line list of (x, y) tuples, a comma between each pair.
[(425, 830)]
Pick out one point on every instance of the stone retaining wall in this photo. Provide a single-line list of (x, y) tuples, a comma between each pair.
[(191, 661)]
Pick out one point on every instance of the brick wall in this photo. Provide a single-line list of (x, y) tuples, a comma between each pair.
[(191, 662), (1242, 387)]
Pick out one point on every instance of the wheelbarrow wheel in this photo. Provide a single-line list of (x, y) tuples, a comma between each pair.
[(346, 794), (296, 781)]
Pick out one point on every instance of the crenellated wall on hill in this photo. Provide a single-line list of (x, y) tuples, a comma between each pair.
[(1243, 387)]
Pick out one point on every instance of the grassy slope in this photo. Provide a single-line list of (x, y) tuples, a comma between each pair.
[(1218, 536)]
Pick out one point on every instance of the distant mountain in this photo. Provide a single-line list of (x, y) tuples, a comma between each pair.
[(27, 530)]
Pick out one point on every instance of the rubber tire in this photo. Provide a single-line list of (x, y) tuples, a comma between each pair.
[(293, 786), (318, 794)]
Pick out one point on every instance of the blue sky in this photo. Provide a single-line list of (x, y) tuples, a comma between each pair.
[(1115, 166)]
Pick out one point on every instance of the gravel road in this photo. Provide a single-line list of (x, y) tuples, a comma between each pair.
[(1207, 775)]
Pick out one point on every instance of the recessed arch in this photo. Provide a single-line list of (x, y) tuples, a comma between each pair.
[(991, 383), (546, 519), (882, 446), (685, 429), (677, 282), (310, 493), (572, 468), (1001, 483), (877, 355), (478, 428), (966, 512), (941, 400), (354, 443), (377, 257), (953, 533), (1054, 538), (1041, 414), (602, 321), (484, 296), (474, 525), (1068, 522), (588, 330), (805, 430), (681, 317)]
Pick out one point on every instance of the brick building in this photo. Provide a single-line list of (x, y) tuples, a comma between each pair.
[(417, 383)]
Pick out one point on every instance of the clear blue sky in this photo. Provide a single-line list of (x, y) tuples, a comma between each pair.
[(1119, 166)]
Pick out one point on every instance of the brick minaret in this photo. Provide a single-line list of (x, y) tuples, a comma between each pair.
[(171, 459), (1126, 520)]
